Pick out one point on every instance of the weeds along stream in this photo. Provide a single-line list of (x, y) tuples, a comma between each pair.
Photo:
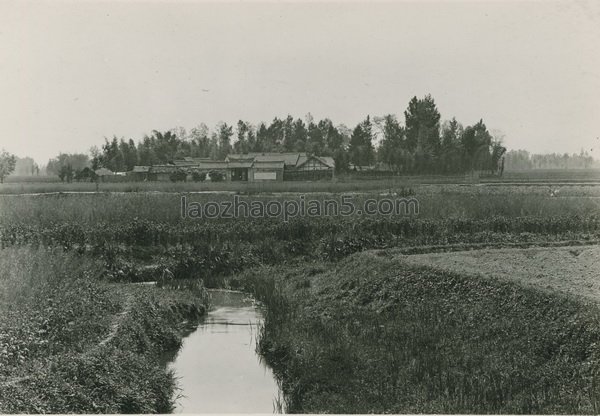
[(373, 334), (71, 342)]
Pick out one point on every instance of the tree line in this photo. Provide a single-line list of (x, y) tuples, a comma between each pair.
[(523, 160), (423, 144)]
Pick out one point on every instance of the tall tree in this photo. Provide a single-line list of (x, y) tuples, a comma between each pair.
[(476, 142), (288, 143), (199, 141), (300, 136), (213, 145), (7, 164), (146, 152), (225, 133), (166, 145), (315, 143), (497, 154), (422, 120), (392, 149), (241, 144), (129, 152), (357, 143), (262, 139), (251, 138), (451, 149), (333, 139), (361, 144)]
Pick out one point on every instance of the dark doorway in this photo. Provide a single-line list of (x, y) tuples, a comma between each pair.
[(239, 174)]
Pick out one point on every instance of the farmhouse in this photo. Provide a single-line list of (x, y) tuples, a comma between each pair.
[(212, 169), (254, 167), (312, 168), (161, 172), (266, 170), (250, 167), (139, 173)]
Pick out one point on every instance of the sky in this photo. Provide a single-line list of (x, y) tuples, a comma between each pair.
[(73, 73)]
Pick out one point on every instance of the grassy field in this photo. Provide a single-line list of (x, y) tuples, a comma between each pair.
[(72, 343), (374, 333), (389, 330), (137, 234), (435, 201), (342, 183), (568, 270)]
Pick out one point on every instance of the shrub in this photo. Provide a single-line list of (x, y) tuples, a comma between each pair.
[(216, 176), (198, 176), (178, 176)]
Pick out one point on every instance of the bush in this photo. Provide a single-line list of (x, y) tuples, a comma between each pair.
[(178, 176), (216, 176), (198, 176)]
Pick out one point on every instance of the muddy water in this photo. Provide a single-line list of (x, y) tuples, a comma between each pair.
[(217, 367)]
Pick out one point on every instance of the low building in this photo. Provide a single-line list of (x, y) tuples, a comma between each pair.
[(240, 169), (280, 166), (139, 173), (212, 168), (250, 167), (162, 172), (265, 170)]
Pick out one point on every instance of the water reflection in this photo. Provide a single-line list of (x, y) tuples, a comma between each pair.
[(217, 367)]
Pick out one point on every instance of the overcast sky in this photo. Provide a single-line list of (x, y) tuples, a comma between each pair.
[(72, 73)]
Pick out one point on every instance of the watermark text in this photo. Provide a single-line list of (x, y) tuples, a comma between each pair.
[(286, 209)]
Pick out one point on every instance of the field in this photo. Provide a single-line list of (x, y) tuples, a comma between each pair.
[(377, 334), (486, 301), (358, 182), (569, 270)]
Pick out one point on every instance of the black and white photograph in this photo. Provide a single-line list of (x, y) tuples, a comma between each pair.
[(314, 207)]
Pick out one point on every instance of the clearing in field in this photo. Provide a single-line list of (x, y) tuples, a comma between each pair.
[(572, 270)]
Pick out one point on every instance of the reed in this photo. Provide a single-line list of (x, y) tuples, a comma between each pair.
[(376, 336)]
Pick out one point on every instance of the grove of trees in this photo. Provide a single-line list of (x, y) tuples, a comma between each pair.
[(423, 144)]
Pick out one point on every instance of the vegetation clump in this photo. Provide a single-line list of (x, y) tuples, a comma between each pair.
[(375, 335), (71, 342)]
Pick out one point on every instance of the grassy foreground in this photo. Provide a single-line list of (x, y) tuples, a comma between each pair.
[(345, 332), (374, 334), (73, 343)]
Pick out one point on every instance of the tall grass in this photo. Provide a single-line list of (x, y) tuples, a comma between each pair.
[(72, 343), (434, 203), (128, 231), (376, 336)]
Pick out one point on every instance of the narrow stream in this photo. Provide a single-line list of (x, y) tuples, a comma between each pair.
[(217, 367)]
